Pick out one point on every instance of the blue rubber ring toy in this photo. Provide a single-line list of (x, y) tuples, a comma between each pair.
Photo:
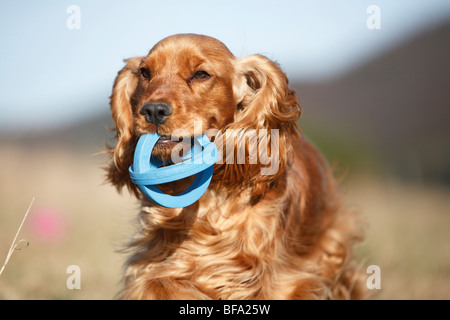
[(146, 172)]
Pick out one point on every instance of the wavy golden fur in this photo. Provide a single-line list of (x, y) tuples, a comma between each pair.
[(250, 236)]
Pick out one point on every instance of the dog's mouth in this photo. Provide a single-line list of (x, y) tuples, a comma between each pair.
[(168, 147), (170, 142), (166, 142)]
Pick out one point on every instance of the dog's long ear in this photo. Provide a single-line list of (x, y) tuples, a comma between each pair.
[(266, 107), (262, 93), (122, 101)]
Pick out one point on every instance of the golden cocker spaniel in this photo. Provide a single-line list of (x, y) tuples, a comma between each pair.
[(254, 234)]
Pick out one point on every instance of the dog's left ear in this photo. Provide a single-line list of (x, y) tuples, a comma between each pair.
[(266, 106), (262, 94)]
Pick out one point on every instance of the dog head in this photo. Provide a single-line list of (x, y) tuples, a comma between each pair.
[(189, 85)]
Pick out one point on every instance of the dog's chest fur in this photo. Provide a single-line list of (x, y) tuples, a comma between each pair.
[(224, 246)]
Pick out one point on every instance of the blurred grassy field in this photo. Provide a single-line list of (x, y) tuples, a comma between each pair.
[(97, 221), (407, 234)]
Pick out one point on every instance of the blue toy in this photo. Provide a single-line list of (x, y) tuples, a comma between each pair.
[(147, 173)]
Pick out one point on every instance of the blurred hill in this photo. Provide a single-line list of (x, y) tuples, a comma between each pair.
[(392, 112), (398, 102), (88, 136)]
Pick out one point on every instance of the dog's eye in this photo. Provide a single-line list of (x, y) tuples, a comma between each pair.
[(200, 75), (145, 73)]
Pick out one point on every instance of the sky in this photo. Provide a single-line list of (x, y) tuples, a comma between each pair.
[(52, 74)]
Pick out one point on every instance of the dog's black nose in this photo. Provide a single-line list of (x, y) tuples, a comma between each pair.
[(156, 112)]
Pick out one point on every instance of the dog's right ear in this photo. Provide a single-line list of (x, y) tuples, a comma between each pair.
[(122, 101)]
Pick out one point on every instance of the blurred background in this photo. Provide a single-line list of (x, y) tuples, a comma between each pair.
[(373, 80)]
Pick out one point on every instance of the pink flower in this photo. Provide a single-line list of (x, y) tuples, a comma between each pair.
[(48, 224)]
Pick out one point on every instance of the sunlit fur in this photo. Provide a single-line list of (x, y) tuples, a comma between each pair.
[(250, 236)]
